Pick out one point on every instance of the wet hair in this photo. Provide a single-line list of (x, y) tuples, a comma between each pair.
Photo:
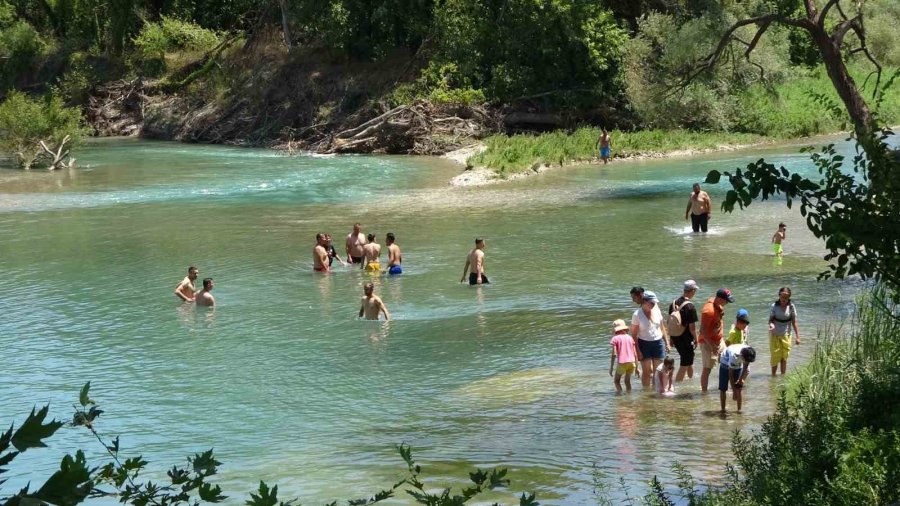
[(191, 269), (478, 240), (749, 354), (390, 237), (319, 237), (635, 290), (782, 225), (669, 362), (784, 289), (696, 185), (369, 286), (206, 283), (370, 237)]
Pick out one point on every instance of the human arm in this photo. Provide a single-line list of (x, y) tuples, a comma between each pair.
[(794, 324), (362, 307), (323, 259), (479, 266), (693, 327), (178, 292), (634, 337), (347, 248), (384, 309), (688, 209), (612, 361), (465, 271)]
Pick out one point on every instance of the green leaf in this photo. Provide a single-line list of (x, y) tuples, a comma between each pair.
[(68, 486), (205, 464), (210, 493), (30, 434), (266, 497), (713, 177), (83, 397), (528, 500)]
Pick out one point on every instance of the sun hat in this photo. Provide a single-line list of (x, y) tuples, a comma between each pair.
[(619, 325), (724, 293), (650, 297), (743, 315)]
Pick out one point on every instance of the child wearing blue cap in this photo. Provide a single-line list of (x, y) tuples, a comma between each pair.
[(738, 334)]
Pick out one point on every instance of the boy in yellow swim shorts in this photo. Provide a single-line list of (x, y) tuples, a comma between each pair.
[(780, 235)]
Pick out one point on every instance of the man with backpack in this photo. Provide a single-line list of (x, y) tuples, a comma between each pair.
[(682, 327)]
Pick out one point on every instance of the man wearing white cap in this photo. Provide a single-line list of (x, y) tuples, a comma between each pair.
[(650, 336), (682, 327)]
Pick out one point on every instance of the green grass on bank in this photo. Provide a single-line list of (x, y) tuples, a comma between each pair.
[(785, 111), (520, 153)]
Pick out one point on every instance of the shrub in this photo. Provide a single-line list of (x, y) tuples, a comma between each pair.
[(21, 50), (155, 40), (25, 121)]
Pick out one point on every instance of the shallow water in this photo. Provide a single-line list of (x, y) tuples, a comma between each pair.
[(288, 386)]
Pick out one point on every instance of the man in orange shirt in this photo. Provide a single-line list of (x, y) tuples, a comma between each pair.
[(711, 331)]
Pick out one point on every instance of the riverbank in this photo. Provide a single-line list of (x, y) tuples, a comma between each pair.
[(508, 158)]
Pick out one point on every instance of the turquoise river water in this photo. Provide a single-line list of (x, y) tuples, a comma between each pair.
[(288, 386)]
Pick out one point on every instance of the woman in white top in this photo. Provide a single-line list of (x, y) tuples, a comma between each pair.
[(650, 336)]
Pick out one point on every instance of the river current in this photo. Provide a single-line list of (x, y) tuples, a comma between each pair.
[(287, 385)]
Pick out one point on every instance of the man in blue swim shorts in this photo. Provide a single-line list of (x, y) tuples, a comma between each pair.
[(603, 144), (394, 256)]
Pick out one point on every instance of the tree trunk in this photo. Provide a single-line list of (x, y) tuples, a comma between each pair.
[(844, 84), (285, 24)]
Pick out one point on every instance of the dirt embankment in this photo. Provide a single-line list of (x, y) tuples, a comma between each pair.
[(295, 101)]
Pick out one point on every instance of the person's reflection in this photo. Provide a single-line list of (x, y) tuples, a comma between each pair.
[(625, 445)]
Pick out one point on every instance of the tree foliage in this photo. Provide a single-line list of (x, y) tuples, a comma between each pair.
[(25, 122)]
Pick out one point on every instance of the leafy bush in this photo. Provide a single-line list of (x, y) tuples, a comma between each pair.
[(24, 122), (21, 50), (155, 40)]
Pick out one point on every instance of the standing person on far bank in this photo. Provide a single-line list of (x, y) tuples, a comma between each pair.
[(700, 208), (711, 332), (475, 260), (782, 317), (649, 334), (603, 145), (683, 331)]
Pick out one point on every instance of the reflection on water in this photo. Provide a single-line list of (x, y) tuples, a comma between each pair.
[(512, 373)]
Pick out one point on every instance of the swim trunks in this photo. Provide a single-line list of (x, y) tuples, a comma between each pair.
[(473, 279), (699, 222), (395, 269), (652, 349), (777, 248), (356, 260), (626, 368), (780, 347), (373, 267), (724, 372), (604, 152)]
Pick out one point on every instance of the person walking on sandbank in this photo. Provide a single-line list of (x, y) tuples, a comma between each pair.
[(603, 145), (475, 260), (700, 208), (371, 305)]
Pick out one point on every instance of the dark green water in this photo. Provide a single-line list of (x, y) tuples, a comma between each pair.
[(287, 385)]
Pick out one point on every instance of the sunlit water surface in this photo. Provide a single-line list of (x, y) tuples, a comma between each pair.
[(287, 385)]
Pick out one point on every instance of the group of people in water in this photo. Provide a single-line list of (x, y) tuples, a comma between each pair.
[(643, 347)]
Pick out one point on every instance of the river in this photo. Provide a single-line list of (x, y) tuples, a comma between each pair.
[(288, 386)]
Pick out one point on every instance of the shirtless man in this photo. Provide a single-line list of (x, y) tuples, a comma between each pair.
[(320, 255), (372, 254), (185, 290), (700, 208), (603, 145), (371, 305), (476, 261), (204, 298), (354, 245), (394, 256)]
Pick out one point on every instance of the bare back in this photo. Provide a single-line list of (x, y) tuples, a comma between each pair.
[(476, 260), (372, 251), (204, 298)]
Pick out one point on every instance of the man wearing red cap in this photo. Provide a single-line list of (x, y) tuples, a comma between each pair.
[(711, 332)]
